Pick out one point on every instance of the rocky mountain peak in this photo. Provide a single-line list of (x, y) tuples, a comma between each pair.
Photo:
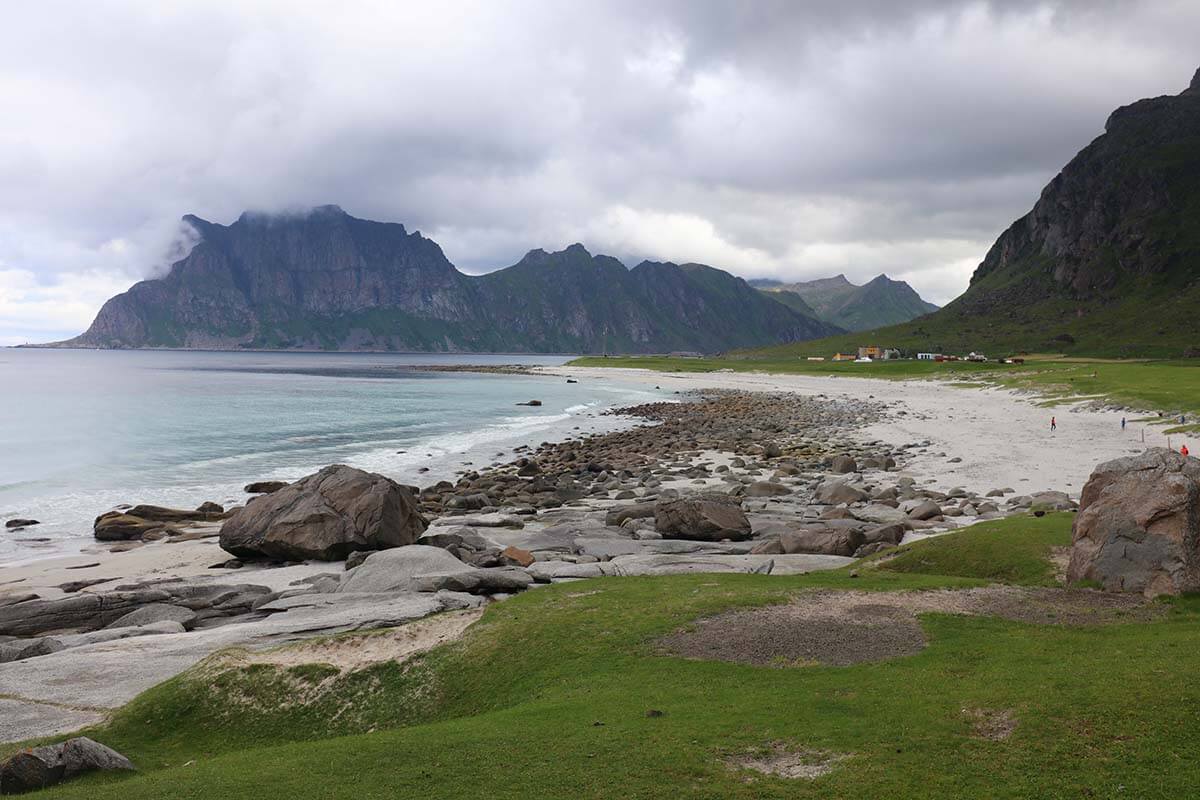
[(1194, 86)]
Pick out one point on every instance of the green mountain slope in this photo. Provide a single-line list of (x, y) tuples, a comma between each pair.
[(326, 280), (1106, 263)]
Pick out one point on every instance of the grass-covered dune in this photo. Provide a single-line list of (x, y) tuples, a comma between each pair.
[(566, 692)]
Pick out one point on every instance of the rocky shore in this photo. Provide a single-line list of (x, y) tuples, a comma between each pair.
[(725, 481)]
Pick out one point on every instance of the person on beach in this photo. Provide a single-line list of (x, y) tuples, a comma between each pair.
[(1183, 451), (1053, 424), (1122, 423)]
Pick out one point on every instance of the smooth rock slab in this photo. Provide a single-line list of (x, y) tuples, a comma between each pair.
[(393, 570)]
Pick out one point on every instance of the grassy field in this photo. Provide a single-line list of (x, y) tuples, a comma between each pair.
[(1168, 386), (548, 696)]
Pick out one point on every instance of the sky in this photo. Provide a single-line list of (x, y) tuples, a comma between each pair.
[(772, 138)]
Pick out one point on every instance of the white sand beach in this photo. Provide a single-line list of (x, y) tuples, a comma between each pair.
[(1003, 437)]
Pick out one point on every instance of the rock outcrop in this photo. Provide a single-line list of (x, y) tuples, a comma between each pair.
[(325, 516), (40, 767), (705, 518), (1138, 528)]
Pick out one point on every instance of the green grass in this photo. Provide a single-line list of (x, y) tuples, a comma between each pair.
[(1014, 550), (547, 696)]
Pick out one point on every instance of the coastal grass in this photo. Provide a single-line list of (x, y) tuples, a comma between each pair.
[(563, 692), (1015, 550)]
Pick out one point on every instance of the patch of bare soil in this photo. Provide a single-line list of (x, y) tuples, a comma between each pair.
[(1060, 558), (784, 761), (841, 628), (354, 652), (993, 724)]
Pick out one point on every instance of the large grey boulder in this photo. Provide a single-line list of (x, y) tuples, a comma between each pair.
[(766, 489), (325, 516), (507, 580), (925, 509), (87, 612), (821, 541), (394, 570), (834, 492), (1138, 528), (40, 767), (155, 612), (618, 516), (706, 518)]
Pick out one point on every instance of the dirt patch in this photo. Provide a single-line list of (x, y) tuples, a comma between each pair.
[(993, 724), (787, 636), (842, 628), (354, 652), (1060, 558), (787, 762)]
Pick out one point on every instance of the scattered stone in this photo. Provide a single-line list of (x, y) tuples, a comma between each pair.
[(264, 487), (21, 523)]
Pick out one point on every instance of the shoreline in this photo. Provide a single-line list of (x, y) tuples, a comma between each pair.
[(821, 473)]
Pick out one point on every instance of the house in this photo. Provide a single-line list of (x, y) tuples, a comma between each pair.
[(890, 354), (870, 351), (973, 356), (843, 357), (929, 357)]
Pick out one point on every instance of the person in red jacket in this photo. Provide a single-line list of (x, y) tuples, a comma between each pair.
[(1183, 451)]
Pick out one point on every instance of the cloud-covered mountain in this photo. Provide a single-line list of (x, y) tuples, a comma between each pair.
[(327, 280)]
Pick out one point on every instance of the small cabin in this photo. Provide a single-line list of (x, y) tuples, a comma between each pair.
[(870, 351), (843, 357)]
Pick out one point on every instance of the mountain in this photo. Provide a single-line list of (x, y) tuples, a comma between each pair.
[(1107, 263), (881, 301), (327, 280)]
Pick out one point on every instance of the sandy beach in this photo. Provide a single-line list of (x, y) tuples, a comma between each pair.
[(1003, 437)]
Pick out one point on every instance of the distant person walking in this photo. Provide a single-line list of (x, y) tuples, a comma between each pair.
[(1053, 424), (1122, 423), (1183, 451)]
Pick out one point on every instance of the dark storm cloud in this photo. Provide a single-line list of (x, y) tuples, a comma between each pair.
[(770, 138)]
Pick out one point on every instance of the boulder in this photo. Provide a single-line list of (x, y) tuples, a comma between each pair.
[(926, 509), (821, 541), (880, 514), (516, 556), (264, 487), (325, 516), (766, 489), (1053, 501), (885, 534), (155, 612), (843, 464), (393, 570), (21, 523), (83, 611), (40, 767), (477, 581), (618, 516), (832, 492), (1138, 528), (706, 518)]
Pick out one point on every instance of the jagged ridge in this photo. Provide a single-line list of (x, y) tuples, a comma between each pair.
[(327, 280)]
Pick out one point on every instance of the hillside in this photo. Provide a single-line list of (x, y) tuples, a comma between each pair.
[(1106, 262), (881, 301), (327, 280)]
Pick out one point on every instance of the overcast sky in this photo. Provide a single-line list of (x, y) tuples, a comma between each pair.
[(777, 138)]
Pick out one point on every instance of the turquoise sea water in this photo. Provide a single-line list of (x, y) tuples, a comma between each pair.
[(82, 431)]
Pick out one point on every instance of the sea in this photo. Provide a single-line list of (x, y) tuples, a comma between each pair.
[(82, 431)]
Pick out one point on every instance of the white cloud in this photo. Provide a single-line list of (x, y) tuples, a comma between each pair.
[(770, 138)]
